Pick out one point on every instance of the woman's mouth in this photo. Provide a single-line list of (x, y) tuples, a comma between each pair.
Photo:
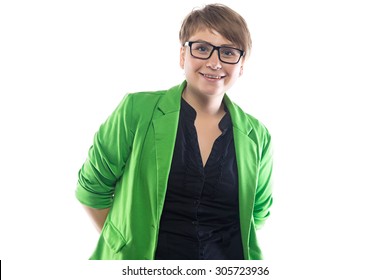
[(212, 77)]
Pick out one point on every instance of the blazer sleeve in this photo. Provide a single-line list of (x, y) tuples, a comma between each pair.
[(107, 158), (263, 199)]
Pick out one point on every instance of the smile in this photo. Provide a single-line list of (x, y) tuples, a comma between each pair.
[(212, 76)]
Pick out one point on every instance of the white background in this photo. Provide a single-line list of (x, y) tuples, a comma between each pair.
[(318, 78)]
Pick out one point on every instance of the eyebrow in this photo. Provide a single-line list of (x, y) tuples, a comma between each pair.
[(223, 45)]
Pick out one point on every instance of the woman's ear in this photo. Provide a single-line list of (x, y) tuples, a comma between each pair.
[(182, 56), (242, 67), (241, 70)]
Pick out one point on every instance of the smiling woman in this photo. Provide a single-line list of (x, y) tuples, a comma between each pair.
[(318, 77), (183, 173)]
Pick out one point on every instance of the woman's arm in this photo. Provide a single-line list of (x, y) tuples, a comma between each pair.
[(98, 216), (263, 200), (107, 158)]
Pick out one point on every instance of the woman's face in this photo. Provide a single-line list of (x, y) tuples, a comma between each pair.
[(209, 77)]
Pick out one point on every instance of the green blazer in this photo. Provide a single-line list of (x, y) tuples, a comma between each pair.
[(128, 166)]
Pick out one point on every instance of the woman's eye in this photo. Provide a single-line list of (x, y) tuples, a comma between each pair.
[(228, 53), (202, 49)]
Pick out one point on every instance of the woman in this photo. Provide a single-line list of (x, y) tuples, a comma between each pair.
[(183, 173)]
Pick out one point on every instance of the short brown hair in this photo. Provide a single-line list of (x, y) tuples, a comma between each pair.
[(220, 18)]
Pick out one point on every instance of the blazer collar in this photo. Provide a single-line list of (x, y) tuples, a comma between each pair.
[(239, 118), (170, 102)]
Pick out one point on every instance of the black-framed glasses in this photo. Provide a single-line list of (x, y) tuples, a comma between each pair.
[(204, 50)]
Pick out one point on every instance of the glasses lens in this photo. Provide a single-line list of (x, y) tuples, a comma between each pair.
[(229, 55), (203, 51)]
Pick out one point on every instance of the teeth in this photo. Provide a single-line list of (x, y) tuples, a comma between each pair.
[(211, 76)]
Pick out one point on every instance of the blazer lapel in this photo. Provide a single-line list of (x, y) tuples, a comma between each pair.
[(165, 122), (247, 164)]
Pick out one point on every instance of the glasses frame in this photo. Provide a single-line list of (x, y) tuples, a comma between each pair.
[(189, 43)]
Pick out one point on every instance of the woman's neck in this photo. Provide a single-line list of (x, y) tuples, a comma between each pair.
[(205, 105)]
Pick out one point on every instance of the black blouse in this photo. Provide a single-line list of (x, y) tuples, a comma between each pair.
[(200, 218)]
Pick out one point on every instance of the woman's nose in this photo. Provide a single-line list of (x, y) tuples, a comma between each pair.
[(213, 62)]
